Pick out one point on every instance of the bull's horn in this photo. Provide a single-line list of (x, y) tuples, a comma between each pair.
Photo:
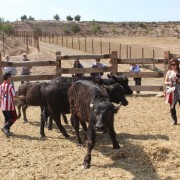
[(117, 106), (91, 105)]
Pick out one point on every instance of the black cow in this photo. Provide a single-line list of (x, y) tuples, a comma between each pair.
[(33, 97), (122, 80), (90, 103)]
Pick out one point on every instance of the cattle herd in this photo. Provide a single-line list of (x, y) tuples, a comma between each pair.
[(91, 103)]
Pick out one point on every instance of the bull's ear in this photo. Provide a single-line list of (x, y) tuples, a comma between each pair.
[(114, 78), (91, 105)]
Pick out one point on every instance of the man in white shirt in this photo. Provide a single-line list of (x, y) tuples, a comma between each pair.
[(10, 69)]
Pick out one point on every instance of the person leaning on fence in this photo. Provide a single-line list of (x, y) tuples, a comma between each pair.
[(97, 64), (135, 68), (9, 69), (25, 70), (172, 92), (77, 64), (7, 94)]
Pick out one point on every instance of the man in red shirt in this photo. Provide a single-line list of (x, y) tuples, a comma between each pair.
[(7, 93)]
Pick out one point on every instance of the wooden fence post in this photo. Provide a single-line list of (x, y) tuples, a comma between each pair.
[(153, 68), (127, 53), (92, 46), (119, 50), (79, 43), (58, 66), (72, 43), (101, 46), (130, 52), (109, 47), (85, 44), (114, 65)]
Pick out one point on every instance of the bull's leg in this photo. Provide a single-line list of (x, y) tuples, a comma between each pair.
[(19, 110), (84, 126), (91, 142), (65, 118), (112, 135), (50, 123), (75, 124), (24, 107), (59, 125), (42, 134)]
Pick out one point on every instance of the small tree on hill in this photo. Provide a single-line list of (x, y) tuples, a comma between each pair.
[(31, 18), (23, 18), (77, 18), (2, 19), (56, 17), (69, 18)]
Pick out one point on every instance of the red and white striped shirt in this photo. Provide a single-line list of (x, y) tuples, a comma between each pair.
[(7, 93)]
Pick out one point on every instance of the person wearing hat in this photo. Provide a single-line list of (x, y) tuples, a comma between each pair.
[(25, 70), (77, 64)]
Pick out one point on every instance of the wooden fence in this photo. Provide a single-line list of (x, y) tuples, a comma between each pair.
[(112, 68)]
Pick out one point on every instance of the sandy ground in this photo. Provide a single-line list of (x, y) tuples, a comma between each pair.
[(149, 144)]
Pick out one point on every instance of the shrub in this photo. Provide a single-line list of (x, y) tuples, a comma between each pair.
[(142, 25), (69, 18), (37, 30), (56, 17), (7, 28), (31, 18), (75, 28), (23, 18), (66, 30), (77, 18), (96, 28)]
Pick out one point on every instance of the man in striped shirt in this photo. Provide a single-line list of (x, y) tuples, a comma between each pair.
[(7, 93)]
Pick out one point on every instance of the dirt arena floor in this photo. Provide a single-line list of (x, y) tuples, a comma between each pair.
[(150, 148)]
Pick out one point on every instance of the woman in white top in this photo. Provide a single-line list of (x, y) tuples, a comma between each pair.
[(172, 80)]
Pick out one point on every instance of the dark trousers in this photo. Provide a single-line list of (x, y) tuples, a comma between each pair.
[(10, 118), (137, 83), (173, 114)]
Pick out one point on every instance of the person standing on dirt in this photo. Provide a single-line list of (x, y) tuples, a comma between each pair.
[(77, 64), (7, 93), (172, 80), (97, 64), (135, 68), (25, 70)]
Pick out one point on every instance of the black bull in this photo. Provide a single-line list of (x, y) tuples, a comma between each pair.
[(55, 99), (90, 103)]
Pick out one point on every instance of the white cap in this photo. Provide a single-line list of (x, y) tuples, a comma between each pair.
[(24, 54)]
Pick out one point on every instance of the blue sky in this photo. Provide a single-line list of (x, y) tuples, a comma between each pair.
[(99, 10)]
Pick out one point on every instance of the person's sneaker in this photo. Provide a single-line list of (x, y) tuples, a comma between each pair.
[(5, 131)]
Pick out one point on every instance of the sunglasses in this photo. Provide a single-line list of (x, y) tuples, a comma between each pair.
[(173, 64)]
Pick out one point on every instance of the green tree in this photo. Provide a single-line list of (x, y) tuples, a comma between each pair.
[(56, 17), (31, 18), (77, 18), (23, 18), (69, 18)]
